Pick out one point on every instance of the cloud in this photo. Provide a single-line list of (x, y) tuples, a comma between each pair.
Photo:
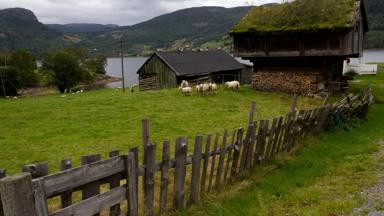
[(122, 12)]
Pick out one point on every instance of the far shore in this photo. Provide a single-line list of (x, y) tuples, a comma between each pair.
[(49, 90)]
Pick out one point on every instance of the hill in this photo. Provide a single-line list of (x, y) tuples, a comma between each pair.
[(192, 27), (73, 28), (20, 28), (375, 36)]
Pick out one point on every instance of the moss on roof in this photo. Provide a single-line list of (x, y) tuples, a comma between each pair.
[(300, 15)]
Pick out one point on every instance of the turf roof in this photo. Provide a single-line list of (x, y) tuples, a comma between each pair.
[(299, 15)]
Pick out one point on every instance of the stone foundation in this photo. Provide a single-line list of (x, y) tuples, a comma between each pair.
[(289, 81)]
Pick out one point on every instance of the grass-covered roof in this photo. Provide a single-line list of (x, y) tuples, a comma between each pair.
[(299, 15)]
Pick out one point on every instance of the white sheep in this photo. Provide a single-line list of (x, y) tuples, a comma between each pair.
[(186, 91), (184, 84), (212, 87), (233, 85)]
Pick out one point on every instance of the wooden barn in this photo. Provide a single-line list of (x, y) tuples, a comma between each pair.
[(300, 46), (168, 69)]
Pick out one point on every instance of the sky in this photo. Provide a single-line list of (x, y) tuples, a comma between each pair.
[(120, 12)]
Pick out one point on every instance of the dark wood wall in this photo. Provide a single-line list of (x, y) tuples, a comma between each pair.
[(165, 77), (347, 42)]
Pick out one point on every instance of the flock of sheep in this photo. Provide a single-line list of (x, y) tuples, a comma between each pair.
[(205, 88)]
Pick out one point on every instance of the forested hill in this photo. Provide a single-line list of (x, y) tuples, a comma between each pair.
[(74, 28), (19, 28), (375, 36), (192, 27)]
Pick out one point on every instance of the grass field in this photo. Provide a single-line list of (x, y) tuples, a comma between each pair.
[(51, 128), (375, 81), (325, 176)]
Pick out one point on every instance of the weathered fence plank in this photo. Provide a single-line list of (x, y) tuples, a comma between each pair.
[(2, 175), (66, 197), (213, 162), (95, 204), (196, 163), (93, 188), (244, 153), (114, 182), (180, 172), (271, 138), (229, 157), (164, 177), (17, 195), (40, 200), (221, 160), (135, 151), (205, 164), (260, 143), (251, 146), (69, 179), (149, 192), (278, 135), (294, 102), (236, 153), (131, 195)]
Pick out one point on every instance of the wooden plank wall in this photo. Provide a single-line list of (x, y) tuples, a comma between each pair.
[(184, 179)]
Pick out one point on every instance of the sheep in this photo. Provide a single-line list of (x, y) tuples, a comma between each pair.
[(186, 90), (184, 84), (233, 85), (212, 87), (199, 89)]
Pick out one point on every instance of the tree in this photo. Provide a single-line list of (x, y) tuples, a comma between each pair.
[(66, 68), (97, 64), (24, 65)]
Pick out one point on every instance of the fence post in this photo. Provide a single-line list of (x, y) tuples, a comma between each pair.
[(252, 113), (150, 169), (114, 182), (196, 164), (2, 175), (180, 172), (36, 170), (164, 177), (93, 188), (66, 197), (294, 103), (131, 173), (17, 195)]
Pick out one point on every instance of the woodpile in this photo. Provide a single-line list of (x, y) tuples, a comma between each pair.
[(149, 83), (288, 81)]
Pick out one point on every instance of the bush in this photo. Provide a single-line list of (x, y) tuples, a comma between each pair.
[(351, 72)]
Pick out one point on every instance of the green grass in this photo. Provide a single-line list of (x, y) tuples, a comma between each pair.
[(323, 177), (298, 15), (375, 81), (52, 128)]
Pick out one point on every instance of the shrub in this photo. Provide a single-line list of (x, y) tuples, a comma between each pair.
[(351, 72)]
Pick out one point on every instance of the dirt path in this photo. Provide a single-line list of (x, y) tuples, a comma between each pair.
[(374, 205)]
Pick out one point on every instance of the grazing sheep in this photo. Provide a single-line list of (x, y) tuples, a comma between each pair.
[(233, 85), (212, 87), (184, 84), (186, 91), (199, 89)]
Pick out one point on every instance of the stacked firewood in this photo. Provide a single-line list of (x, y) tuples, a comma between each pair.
[(291, 82), (148, 83)]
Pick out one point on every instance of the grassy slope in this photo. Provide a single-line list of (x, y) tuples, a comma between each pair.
[(52, 128), (376, 82), (324, 177)]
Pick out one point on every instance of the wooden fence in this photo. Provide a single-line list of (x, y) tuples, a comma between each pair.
[(123, 183)]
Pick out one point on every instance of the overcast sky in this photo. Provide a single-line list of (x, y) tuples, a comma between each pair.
[(121, 12)]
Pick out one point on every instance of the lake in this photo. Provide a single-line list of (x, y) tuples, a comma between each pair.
[(132, 65)]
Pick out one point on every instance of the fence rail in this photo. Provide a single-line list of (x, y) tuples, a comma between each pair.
[(174, 183)]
